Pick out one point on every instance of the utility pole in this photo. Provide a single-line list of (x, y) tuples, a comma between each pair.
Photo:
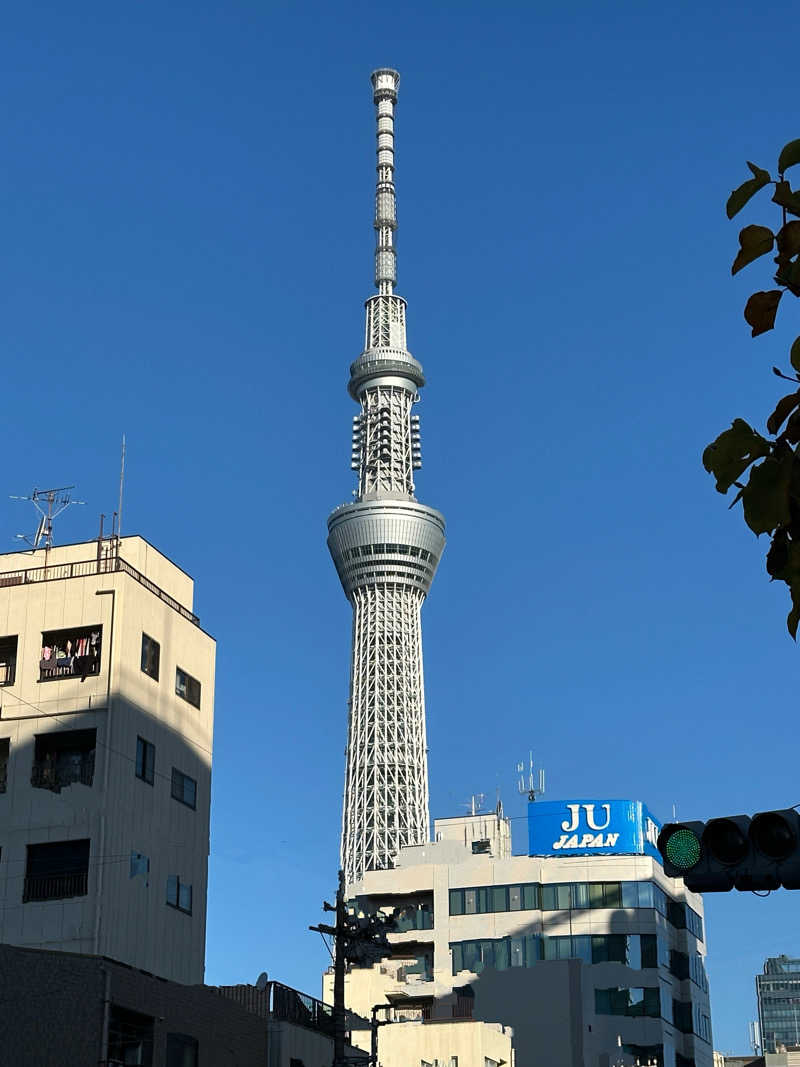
[(356, 939)]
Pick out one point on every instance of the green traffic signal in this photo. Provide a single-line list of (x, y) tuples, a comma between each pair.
[(682, 849)]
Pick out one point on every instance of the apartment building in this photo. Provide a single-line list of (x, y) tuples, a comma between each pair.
[(106, 725)]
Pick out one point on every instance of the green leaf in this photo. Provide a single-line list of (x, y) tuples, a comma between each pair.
[(788, 238), (761, 309), (755, 241), (746, 190), (765, 498), (792, 431), (785, 407), (794, 354), (732, 453), (786, 197), (790, 154)]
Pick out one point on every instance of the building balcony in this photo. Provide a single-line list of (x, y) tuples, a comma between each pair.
[(56, 775), (63, 758), (55, 887)]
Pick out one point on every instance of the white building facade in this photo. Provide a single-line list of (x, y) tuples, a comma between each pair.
[(592, 958), (106, 723)]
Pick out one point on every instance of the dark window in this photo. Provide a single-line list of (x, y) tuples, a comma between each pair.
[(179, 894), (57, 870), (632, 1002), (682, 1015), (5, 747), (184, 788), (70, 653), (456, 901), (482, 847), (676, 913), (63, 758), (649, 950), (187, 688), (182, 1051), (130, 1037), (151, 656), (8, 660), (679, 964), (145, 760)]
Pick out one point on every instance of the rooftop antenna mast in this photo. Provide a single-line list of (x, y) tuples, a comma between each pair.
[(50, 503), (121, 487), (534, 786)]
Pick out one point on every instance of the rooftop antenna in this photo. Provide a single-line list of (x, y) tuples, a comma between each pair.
[(49, 503), (534, 786), (475, 803), (121, 486)]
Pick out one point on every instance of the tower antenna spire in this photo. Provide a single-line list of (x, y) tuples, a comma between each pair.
[(384, 92)]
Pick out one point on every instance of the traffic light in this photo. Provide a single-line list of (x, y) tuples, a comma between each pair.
[(735, 852)]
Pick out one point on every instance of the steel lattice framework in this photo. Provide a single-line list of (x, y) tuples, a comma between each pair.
[(386, 547)]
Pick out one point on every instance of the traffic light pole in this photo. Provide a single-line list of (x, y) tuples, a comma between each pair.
[(338, 978), (360, 939)]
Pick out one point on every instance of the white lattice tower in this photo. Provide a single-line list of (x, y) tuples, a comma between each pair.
[(386, 547)]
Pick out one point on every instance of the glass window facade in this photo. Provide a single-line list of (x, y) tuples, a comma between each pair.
[(639, 951), (635, 1001), (575, 896)]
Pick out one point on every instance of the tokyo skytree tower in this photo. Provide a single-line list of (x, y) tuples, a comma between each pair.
[(386, 547)]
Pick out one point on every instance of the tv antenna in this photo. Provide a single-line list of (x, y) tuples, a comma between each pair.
[(534, 785), (475, 803), (50, 503)]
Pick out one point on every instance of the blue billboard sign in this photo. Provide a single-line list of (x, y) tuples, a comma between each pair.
[(591, 828)]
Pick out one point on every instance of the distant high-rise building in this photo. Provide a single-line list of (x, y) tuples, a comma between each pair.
[(778, 993), (106, 718), (386, 547)]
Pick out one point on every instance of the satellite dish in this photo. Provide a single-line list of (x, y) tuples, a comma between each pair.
[(262, 980)]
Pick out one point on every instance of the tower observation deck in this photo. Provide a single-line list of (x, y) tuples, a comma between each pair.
[(386, 547)]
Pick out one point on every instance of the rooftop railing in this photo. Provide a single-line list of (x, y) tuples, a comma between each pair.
[(85, 568)]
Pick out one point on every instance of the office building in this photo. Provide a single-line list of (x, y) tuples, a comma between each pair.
[(386, 547), (778, 994), (583, 947), (106, 720)]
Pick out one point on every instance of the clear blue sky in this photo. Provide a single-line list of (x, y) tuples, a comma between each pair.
[(187, 242)]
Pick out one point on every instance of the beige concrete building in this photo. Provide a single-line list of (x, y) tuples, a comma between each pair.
[(440, 1043), (106, 723), (590, 959)]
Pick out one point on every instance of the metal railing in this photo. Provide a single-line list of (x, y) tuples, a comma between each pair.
[(55, 886), (48, 774), (290, 1006), (86, 568)]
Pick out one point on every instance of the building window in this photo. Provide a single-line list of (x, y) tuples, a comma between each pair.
[(8, 660), (5, 748), (70, 653), (130, 1037), (145, 760), (57, 870), (151, 656), (187, 688), (184, 788), (631, 1002), (182, 1051), (63, 758), (179, 894)]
